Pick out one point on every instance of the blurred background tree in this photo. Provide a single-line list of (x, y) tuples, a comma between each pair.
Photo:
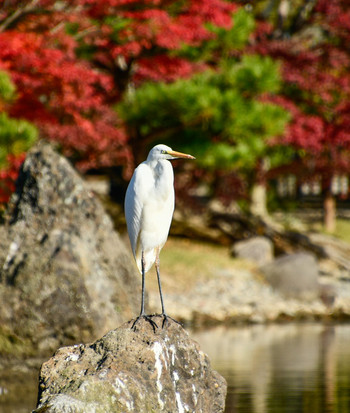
[(72, 60), (251, 88), (310, 39), (222, 115)]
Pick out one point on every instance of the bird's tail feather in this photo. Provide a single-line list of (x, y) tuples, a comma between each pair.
[(150, 257)]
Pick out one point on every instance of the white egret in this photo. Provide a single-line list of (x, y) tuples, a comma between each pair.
[(149, 207)]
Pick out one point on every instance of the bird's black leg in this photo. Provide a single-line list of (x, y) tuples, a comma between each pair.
[(164, 314), (142, 312)]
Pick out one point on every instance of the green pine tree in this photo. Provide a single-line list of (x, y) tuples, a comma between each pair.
[(223, 104), (222, 114)]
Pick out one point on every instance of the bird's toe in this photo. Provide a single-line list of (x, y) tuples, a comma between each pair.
[(166, 320), (147, 318)]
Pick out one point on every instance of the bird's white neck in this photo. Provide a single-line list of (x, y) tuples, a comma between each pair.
[(163, 175)]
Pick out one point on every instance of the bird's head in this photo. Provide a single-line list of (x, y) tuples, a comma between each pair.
[(165, 152)]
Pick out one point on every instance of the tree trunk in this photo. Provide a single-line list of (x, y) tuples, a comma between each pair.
[(258, 200), (329, 207)]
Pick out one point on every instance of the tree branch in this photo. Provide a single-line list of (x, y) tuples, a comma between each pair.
[(28, 8)]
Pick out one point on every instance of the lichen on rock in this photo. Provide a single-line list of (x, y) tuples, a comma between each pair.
[(137, 371)]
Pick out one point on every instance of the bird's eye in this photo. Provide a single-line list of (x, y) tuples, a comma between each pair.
[(163, 151)]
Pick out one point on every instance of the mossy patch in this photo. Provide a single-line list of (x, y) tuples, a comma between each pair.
[(12, 344)]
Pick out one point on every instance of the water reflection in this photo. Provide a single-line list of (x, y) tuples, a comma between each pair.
[(292, 368), (18, 389)]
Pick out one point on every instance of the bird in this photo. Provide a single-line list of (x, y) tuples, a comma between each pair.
[(149, 207)]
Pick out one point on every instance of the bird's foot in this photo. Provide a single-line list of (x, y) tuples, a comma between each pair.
[(166, 318), (147, 318)]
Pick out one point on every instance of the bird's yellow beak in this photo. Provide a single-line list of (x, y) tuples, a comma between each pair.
[(180, 155)]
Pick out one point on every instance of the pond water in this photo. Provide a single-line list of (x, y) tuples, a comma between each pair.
[(290, 368), (277, 368)]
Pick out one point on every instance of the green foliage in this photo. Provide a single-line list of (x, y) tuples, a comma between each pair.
[(117, 23), (225, 40), (72, 28), (7, 88), (243, 27), (16, 135), (218, 115), (255, 75)]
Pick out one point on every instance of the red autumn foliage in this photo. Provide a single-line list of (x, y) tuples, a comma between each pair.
[(316, 71), (139, 39), (128, 41), (60, 95), (122, 42), (8, 176)]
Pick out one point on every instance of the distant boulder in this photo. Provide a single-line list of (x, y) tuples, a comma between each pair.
[(132, 371), (328, 294), (65, 275), (294, 275), (256, 249)]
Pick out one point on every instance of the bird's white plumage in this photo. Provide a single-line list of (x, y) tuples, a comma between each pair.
[(149, 205)]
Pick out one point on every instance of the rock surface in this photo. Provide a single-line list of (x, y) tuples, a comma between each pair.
[(256, 249), (294, 275), (132, 371), (65, 275)]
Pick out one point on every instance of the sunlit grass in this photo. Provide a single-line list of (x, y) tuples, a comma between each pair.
[(305, 223), (183, 255), (342, 230), (185, 262)]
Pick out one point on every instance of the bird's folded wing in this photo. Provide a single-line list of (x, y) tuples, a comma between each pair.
[(135, 199)]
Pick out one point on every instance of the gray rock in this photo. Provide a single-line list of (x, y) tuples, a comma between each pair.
[(256, 249), (294, 275), (65, 275), (132, 371), (328, 294)]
